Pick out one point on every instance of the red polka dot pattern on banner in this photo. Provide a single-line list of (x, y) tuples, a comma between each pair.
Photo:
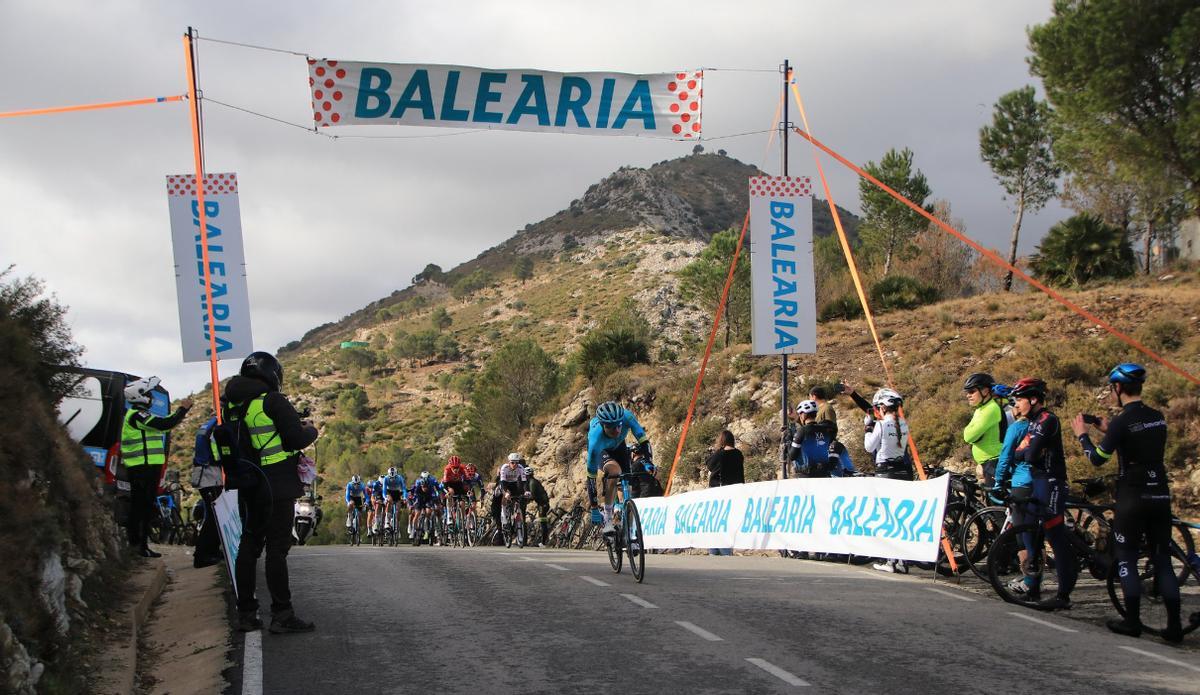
[(329, 102), (780, 186), (214, 184), (686, 90)]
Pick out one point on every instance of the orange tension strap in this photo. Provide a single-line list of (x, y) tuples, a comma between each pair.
[(90, 107)]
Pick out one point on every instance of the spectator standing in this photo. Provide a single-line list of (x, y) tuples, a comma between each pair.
[(886, 437), (985, 432), (144, 453), (267, 493), (726, 466)]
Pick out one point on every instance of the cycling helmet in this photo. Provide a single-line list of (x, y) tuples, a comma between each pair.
[(1029, 387), (887, 398), (424, 475), (454, 461), (355, 479), (264, 367), (979, 380), (472, 471), (138, 393), (609, 413), (392, 471), (514, 457), (807, 407), (528, 471), (1001, 391), (1126, 373)]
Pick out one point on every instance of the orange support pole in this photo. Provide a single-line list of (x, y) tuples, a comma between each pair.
[(90, 107)]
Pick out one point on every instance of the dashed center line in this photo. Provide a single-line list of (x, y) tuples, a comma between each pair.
[(1039, 621), (698, 631), (786, 677), (551, 565), (951, 594), (1152, 655), (593, 580), (639, 601)]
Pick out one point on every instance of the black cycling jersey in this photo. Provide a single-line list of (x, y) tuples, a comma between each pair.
[(1138, 436), (1042, 447)]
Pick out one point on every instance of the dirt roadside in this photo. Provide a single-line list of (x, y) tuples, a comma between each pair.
[(184, 646)]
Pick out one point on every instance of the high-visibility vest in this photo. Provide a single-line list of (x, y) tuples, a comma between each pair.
[(142, 445), (264, 437)]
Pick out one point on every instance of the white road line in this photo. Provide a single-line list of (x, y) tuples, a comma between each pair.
[(699, 631), (557, 567), (593, 580), (779, 673), (951, 594), (1039, 621), (526, 558), (639, 601), (1152, 655), (252, 662)]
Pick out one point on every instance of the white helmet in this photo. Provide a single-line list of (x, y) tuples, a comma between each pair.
[(355, 479), (424, 474), (528, 471), (514, 457), (392, 470), (887, 398), (138, 392), (807, 407)]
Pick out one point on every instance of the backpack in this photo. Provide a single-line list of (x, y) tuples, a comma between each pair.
[(224, 453)]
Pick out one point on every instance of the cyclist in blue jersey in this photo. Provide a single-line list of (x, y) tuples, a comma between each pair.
[(374, 502), (425, 497), (355, 491), (394, 490), (811, 443), (607, 453)]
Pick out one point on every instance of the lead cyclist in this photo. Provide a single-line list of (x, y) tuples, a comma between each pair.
[(608, 455)]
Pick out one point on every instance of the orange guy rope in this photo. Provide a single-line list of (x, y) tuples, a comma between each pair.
[(995, 258), (212, 333), (90, 107), (712, 337), (862, 297)]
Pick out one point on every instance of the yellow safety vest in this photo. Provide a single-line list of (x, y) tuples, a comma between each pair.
[(263, 435), (142, 445)]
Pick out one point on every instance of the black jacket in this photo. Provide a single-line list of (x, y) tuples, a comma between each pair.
[(293, 434)]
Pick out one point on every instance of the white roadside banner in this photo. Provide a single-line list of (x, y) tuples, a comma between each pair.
[(783, 300), (872, 517), (226, 264), (455, 96), (229, 525)]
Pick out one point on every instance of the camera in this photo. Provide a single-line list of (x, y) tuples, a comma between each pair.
[(1091, 419)]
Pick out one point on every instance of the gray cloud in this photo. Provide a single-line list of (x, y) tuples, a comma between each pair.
[(331, 226)]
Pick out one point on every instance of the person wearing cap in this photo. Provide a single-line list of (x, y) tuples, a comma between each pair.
[(985, 432), (144, 453), (1138, 437)]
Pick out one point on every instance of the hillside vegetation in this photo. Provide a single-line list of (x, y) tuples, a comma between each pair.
[(407, 397)]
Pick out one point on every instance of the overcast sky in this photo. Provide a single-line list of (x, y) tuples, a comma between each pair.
[(330, 226)]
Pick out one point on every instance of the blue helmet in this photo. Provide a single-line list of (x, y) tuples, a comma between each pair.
[(1127, 373), (609, 413)]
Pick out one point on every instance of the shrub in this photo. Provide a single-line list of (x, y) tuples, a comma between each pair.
[(846, 307), (1081, 249), (1163, 335), (622, 340), (901, 292)]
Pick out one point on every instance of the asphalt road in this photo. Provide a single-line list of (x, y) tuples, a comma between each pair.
[(495, 620)]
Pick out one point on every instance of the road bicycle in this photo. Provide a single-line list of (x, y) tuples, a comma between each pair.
[(423, 528), (512, 522), (353, 531), (391, 525), (628, 538), (1021, 576)]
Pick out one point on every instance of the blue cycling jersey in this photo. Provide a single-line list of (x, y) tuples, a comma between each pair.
[(1007, 467), (355, 490), (599, 442), (375, 487), (395, 482)]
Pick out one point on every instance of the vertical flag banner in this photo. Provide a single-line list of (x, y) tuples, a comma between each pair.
[(784, 309), (453, 96), (226, 266), (229, 526)]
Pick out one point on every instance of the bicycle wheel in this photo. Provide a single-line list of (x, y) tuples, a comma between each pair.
[(635, 542), (615, 552), (519, 528), (508, 531), (1182, 535), (978, 534), (1153, 612), (471, 528), (952, 525), (1007, 572)]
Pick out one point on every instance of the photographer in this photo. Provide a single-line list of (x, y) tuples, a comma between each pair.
[(1138, 436)]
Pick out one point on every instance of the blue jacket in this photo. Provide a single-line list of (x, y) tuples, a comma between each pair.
[(395, 482), (354, 490), (1007, 467), (598, 442)]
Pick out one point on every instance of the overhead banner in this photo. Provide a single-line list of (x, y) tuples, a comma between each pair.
[(784, 309), (871, 517), (454, 96), (226, 266)]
